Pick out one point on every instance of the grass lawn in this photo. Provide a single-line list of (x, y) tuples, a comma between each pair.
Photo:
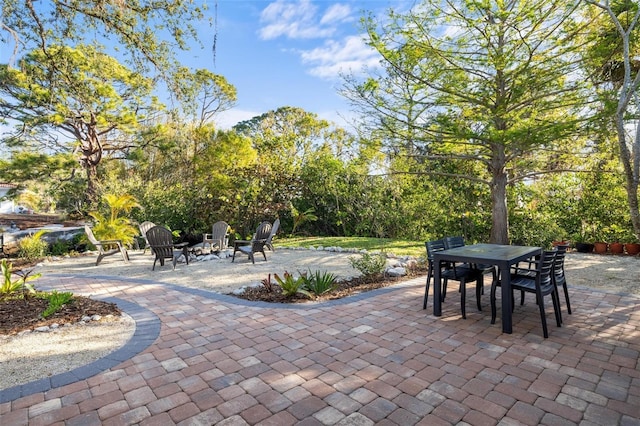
[(397, 247)]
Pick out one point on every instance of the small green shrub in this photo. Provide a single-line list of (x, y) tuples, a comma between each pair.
[(9, 285), (291, 285), (59, 248), (56, 301), (319, 282), (368, 264), (33, 247)]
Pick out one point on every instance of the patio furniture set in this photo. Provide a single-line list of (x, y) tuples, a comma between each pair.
[(159, 240), (542, 275)]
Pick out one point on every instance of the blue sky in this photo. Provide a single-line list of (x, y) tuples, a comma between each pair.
[(287, 53), (283, 53)]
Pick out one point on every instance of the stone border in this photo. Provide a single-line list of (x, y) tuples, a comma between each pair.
[(147, 331)]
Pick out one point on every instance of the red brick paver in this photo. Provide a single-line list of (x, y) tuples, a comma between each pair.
[(375, 359)]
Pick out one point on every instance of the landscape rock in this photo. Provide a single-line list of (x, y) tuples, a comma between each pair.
[(396, 272)]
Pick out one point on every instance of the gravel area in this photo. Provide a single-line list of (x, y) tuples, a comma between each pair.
[(37, 355)]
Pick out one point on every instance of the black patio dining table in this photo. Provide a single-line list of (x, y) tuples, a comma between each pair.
[(502, 256)]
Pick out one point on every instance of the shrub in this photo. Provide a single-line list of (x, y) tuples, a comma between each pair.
[(320, 282), (368, 264), (9, 285), (33, 247), (112, 226), (56, 301), (291, 285), (59, 247)]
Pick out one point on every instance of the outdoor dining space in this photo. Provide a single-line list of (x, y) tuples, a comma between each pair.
[(201, 357), (512, 268)]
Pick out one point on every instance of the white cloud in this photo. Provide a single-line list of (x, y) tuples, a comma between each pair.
[(302, 19), (348, 55), (295, 20), (337, 13)]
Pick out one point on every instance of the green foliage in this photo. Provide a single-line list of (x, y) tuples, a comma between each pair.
[(291, 285), (320, 282), (56, 301), (301, 217), (498, 107), (60, 247), (32, 247), (528, 228), (9, 286), (369, 264), (113, 226)]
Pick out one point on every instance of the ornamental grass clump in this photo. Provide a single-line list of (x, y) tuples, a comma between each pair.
[(320, 282), (292, 285)]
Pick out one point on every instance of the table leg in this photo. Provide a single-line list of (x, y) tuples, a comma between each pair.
[(437, 301), (505, 285)]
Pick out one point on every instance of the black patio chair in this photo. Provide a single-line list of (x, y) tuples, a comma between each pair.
[(541, 285), (458, 241), (558, 273), (461, 273)]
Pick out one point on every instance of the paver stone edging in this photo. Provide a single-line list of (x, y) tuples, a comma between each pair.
[(147, 331)]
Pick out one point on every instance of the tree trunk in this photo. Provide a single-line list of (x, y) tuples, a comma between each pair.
[(499, 212), (92, 185), (631, 178)]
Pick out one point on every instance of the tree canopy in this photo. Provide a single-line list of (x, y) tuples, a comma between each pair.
[(481, 86), (147, 32), (76, 100)]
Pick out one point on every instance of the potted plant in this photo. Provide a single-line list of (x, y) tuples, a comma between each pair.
[(615, 234), (600, 246), (632, 243), (582, 242)]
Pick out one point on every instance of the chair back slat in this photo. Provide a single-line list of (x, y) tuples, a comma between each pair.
[(546, 264), (92, 238), (433, 247), (453, 242), (161, 241)]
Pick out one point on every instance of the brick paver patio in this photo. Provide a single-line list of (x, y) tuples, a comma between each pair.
[(200, 358)]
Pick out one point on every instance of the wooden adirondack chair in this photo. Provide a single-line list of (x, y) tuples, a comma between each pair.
[(219, 236), (106, 247), (161, 242), (256, 245)]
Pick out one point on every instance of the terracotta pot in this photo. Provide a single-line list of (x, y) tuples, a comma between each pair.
[(584, 247), (616, 248), (560, 243), (600, 247), (632, 248)]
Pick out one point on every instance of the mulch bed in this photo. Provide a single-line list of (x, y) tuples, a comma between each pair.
[(17, 315), (344, 288)]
